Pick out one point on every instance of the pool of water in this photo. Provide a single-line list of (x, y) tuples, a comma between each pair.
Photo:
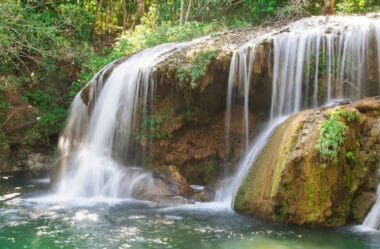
[(31, 217)]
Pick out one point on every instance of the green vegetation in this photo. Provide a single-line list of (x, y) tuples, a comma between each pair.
[(196, 68), (50, 49), (208, 172), (151, 128), (332, 135), (357, 6)]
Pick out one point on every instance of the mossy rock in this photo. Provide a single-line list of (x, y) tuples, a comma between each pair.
[(292, 182)]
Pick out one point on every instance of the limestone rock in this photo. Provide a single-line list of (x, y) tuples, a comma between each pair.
[(362, 205), (39, 162), (168, 184), (291, 183)]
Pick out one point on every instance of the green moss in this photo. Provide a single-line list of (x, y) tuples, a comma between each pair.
[(281, 161), (310, 195), (209, 172), (284, 210), (350, 157), (332, 134)]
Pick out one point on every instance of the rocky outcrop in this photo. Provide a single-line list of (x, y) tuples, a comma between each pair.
[(16, 154), (170, 187), (296, 181)]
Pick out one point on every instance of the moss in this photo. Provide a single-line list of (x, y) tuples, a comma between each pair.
[(285, 148), (332, 134), (284, 210)]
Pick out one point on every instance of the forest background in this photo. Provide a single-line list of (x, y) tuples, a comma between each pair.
[(49, 49)]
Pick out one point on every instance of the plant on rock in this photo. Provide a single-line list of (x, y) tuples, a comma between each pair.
[(196, 68), (332, 135)]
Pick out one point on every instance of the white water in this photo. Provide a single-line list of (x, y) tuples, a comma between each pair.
[(311, 57), (95, 148), (238, 88), (323, 59), (373, 218)]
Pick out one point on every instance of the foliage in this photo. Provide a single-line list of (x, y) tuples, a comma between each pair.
[(332, 135), (52, 116), (50, 49), (350, 156), (355, 6), (151, 128), (197, 67)]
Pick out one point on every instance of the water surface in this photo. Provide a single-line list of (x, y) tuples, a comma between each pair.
[(31, 217)]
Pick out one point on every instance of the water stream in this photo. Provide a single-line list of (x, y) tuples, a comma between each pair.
[(31, 217), (93, 206), (316, 61), (96, 148)]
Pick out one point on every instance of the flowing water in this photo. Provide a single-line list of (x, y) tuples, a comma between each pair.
[(373, 218), (31, 217), (95, 149), (93, 206), (316, 61)]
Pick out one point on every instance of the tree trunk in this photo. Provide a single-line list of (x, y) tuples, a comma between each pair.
[(140, 7), (328, 8), (99, 4), (108, 12), (332, 5), (124, 13), (181, 11), (188, 10)]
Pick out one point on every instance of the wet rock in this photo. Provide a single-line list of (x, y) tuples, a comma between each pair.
[(362, 205), (290, 182), (39, 162), (175, 182), (4, 156), (166, 184), (205, 194)]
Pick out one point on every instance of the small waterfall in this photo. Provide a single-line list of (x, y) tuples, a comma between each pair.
[(239, 79), (373, 218), (97, 146), (240, 76), (315, 61), (314, 65)]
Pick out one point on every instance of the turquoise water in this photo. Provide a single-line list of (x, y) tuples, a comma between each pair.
[(31, 217)]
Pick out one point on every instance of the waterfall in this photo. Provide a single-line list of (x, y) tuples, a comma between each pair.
[(373, 218), (98, 156), (316, 61), (239, 79)]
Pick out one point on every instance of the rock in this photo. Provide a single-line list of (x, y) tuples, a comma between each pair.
[(176, 183), (367, 104), (290, 181), (166, 184), (171, 200), (4, 156), (204, 195), (362, 205), (39, 162)]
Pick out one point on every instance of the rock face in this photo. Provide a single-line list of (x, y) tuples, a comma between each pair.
[(293, 182), (15, 153), (170, 187)]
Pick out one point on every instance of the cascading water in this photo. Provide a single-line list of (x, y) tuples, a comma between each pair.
[(95, 148), (315, 61), (373, 218)]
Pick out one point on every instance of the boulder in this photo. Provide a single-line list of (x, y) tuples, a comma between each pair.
[(293, 182), (167, 187), (362, 205)]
